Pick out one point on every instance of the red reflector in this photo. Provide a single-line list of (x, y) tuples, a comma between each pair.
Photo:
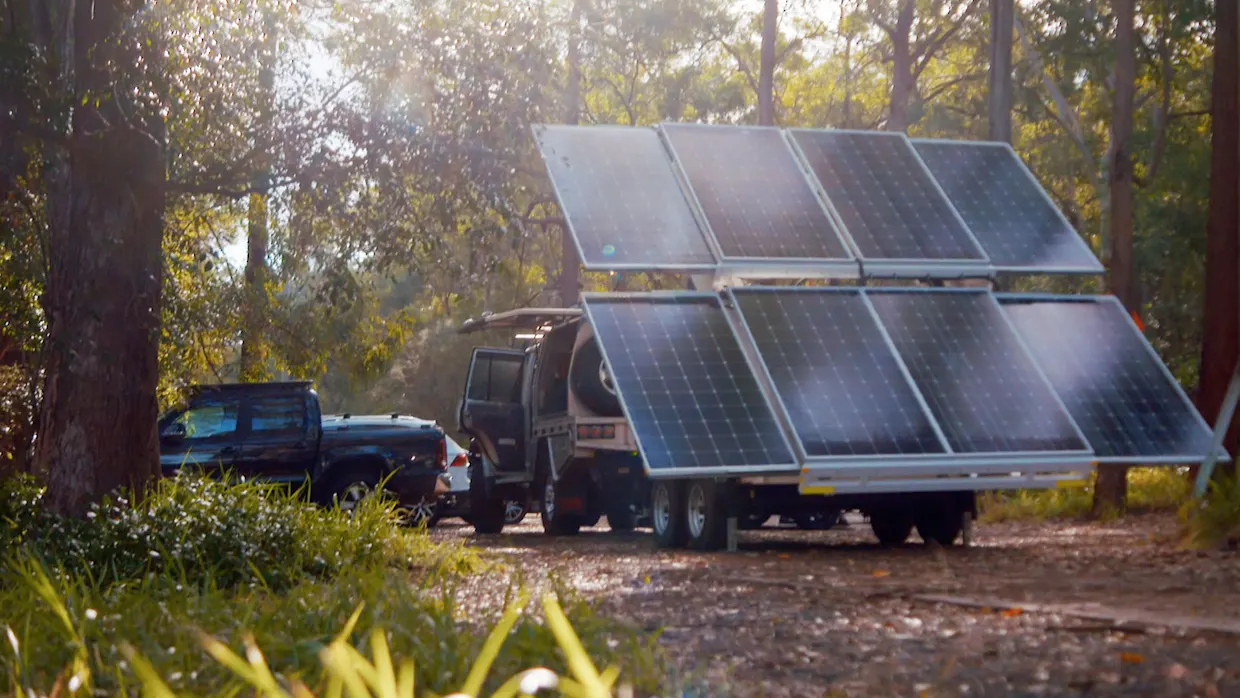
[(462, 459), (1136, 317), (609, 431)]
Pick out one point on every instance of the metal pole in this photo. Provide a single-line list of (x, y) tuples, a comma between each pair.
[(1226, 411)]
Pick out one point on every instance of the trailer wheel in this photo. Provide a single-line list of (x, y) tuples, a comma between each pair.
[(667, 513), (621, 519), (706, 519), (591, 381), (940, 522), (892, 527)]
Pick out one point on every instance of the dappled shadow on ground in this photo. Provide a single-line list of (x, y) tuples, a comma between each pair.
[(795, 613)]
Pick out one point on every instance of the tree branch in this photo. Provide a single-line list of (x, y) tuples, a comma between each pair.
[(741, 65)]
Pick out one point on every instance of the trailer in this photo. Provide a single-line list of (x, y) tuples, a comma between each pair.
[(839, 344)]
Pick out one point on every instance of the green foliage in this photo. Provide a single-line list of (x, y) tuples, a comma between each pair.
[(1149, 489), (1215, 520), (215, 534)]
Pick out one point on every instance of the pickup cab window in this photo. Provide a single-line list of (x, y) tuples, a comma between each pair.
[(205, 420), (278, 414)]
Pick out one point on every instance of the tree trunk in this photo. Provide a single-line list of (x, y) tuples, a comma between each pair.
[(848, 69), (901, 69), (766, 69), (254, 331), (1112, 488), (1000, 95), (97, 420), (1220, 346), (570, 265)]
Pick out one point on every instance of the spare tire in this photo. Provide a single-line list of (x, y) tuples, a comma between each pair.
[(591, 381)]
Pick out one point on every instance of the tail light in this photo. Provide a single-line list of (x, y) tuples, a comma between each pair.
[(461, 460), (441, 456)]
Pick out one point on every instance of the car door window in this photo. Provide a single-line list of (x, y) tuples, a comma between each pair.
[(278, 414), (496, 378), (207, 420)]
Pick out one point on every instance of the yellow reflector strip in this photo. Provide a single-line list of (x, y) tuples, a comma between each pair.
[(820, 489), (1068, 484)]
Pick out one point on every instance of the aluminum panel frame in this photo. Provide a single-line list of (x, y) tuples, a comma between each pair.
[(767, 267), (625, 266), (1098, 268), (707, 472), (891, 267), (1170, 459)]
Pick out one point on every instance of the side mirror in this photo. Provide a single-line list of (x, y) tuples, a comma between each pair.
[(175, 433)]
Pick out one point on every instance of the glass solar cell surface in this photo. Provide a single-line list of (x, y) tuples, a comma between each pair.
[(688, 392), (1112, 384), (835, 374), (982, 388), (888, 203), (621, 198), (1005, 208), (753, 193)]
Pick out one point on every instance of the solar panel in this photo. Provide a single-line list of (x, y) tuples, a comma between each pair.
[(1005, 207), (687, 390), (888, 202), (835, 374), (982, 387), (1114, 385), (620, 198), (753, 193)]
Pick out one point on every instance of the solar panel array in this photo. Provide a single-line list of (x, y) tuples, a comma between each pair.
[(753, 193), (887, 376), (1005, 207), (874, 202), (1114, 386), (835, 375), (687, 389), (885, 198), (621, 199)]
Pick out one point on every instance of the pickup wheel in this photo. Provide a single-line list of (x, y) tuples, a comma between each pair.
[(621, 519), (347, 489), (514, 512), (667, 513), (555, 522), (706, 519), (424, 512), (486, 514)]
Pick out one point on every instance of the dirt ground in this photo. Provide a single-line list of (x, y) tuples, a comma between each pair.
[(831, 613)]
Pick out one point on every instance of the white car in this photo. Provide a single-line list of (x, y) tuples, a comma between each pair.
[(456, 501)]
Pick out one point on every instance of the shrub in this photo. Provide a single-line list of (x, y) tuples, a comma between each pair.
[(218, 533), (1215, 521)]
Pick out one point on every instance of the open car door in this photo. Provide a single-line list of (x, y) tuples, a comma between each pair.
[(492, 411)]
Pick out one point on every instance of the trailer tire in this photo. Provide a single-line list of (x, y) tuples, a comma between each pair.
[(621, 519), (486, 513), (587, 377), (667, 513), (941, 523), (706, 515), (891, 527)]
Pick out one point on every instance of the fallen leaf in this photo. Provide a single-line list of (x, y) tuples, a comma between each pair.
[(1012, 612), (1177, 671), (880, 573), (987, 609), (784, 556), (646, 579), (1132, 658)]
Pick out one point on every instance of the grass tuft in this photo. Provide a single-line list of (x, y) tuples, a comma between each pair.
[(1215, 521)]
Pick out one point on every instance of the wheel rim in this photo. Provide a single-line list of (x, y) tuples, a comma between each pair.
[(697, 511), (353, 495), (661, 510), (549, 499), (513, 511), (604, 378), (422, 512)]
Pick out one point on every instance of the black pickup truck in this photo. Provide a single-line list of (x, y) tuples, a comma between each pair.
[(277, 432)]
